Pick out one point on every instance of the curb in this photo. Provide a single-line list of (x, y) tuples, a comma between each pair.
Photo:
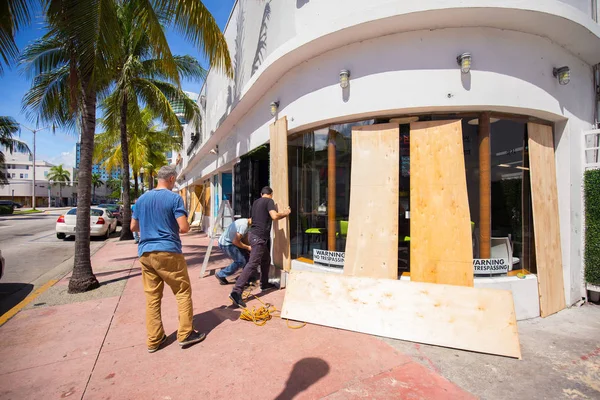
[(43, 283)]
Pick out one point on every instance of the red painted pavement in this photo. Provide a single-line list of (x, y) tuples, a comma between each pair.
[(238, 359)]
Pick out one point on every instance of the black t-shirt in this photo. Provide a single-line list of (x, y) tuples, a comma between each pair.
[(261, 219)]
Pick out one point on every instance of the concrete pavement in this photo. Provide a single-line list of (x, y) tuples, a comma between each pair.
[(31, 251), (92, 346)]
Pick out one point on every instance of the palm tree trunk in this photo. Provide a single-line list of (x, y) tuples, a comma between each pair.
[(136, 185), (83, 278), (126, 233)]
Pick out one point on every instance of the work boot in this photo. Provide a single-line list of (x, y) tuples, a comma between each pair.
[(237, 299), (222, 281), (157, 347), (267, 286), (193, 338)]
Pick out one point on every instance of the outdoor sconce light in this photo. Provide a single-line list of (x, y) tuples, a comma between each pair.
[(274, 107), (464, 60), (344, 78), (203, 101), (563, 74), (215, 150)]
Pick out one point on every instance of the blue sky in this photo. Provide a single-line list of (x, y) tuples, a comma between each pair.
[(60, 147)]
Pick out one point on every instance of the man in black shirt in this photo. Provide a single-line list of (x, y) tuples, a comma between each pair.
[(263, 215)]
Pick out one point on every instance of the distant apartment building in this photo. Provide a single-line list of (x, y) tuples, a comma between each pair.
[(97, 168), (19, 171)]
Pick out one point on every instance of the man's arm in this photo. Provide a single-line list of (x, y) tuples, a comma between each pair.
[(184, 226), (280, 215), (134, 225), (237, 241)]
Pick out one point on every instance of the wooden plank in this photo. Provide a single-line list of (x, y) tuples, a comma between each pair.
[(440, 225), (279, 183), (474, 319), (372, 242), (544, 198)]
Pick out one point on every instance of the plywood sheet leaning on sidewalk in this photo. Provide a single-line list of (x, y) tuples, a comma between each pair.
[(544, 200), (372, 242), (481, 320), (279, 184), (440, 224)]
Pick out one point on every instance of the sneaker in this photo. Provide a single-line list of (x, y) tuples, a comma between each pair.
[(267, 286), (154, 349), (193, 338), (222, 281), (237, 299)]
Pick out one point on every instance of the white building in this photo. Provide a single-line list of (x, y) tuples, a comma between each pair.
[(19, 170), (400, 59)]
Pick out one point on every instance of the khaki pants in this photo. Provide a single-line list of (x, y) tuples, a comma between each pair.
[(159, 268)]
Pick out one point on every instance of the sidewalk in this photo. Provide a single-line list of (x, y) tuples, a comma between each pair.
[(92, 346)]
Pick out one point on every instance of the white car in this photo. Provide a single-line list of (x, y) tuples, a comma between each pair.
[(102, 223)]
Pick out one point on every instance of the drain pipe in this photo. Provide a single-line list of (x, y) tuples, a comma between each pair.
[(597, 95)]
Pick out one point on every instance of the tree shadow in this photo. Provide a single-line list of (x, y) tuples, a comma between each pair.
[(12, 294), (261, 47), (306, 373)]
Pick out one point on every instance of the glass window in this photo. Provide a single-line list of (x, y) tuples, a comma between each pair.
[(512, 223), (311, 157), (45, 174), (21, 176), (26, 176)]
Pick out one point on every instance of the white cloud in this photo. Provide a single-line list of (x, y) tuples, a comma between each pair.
[(66, 158)]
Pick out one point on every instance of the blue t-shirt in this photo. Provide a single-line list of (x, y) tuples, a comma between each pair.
[(240, 226), (157, 212)]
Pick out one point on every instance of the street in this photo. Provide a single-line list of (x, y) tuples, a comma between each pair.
[(30, 249)]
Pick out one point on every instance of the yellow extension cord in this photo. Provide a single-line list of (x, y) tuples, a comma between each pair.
[(260, 316)]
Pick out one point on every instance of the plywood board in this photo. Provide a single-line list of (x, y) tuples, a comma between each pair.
[(441, 249), (279, 184), (372, 241), (474, 319), (544, 199)]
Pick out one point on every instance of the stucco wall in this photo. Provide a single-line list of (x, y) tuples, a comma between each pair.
[(417, 72)]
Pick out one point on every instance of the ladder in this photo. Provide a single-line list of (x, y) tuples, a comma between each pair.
[(212, 234)]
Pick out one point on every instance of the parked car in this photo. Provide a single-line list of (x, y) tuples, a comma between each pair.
[(116, 211), (10, 203), (102, 223), (1, 265)]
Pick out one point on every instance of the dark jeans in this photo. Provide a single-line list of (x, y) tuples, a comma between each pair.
[(239, 256), (259, 256)]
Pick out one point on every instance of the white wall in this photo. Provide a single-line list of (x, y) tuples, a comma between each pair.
[(417, 72)]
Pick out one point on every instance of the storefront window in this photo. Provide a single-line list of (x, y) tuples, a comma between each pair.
[(315, 154)]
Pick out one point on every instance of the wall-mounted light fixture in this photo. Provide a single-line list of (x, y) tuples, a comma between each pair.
[(203, 101), (274, 107), (464, 60), (344, 78), (215, 150), (563, 74)]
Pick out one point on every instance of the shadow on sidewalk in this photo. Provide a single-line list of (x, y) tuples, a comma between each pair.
[(306, 373), (12, 294), (207, 321)]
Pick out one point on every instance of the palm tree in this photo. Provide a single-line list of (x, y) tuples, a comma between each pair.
[(8, 128), (148, 144), (14, 14), (144, 76), (73, 66), (70, 67), (61, 176), (96, 183)]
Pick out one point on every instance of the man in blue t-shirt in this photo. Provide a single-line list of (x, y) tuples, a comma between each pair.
[(160, 216), (231, 244)]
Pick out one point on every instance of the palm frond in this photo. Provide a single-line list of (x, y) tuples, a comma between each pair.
[(192, 19), (14, 15)]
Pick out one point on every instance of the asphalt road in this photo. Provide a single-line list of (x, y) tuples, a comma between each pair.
[(30, 249)]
